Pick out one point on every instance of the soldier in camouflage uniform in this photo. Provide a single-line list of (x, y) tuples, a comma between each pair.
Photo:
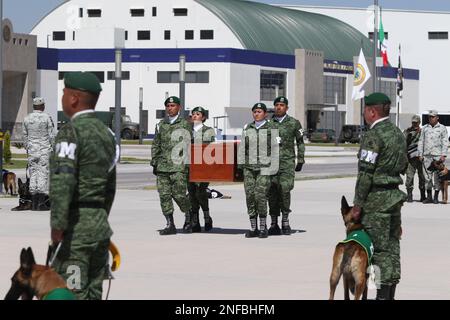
[(170, 164), (412, 135), (378, 200), (82, 188), (290, 133), (255, 159), (38, 134), (198, 195), (433, 145)]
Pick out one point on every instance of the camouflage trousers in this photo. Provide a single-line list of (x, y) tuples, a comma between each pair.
[(414, 165), (83, 265), (38, 168), (198, 196), (280, 193), (172, 185), (256, 191), (384, 228), (431, 177)]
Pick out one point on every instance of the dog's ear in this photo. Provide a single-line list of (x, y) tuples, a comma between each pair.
[(27, 261), (344, 205)]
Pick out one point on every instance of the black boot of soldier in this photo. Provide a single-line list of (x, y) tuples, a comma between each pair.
[(436, 197), (392, 296), (170, 227), (35, 202), (285, 227), (253, 232), (208, 221), (422, 195), (187, 227), (384, 293), (410, 196), (196, 227), (263, 233), (274, 229), (429, 197), (44, 202)]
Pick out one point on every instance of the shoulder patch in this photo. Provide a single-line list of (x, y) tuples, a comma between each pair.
[(368, 156), (66, 150)]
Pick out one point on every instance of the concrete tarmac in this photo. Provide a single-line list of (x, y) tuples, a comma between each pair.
[(223, 264)]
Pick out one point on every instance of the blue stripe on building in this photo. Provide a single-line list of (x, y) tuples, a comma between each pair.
[(47, 59)]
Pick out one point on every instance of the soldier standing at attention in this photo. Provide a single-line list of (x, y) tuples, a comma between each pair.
[(412, 135), (198, 195), (170, 164), (38, 137), (433, 145), (378, 200), (290, 132), (253, 159), (82, 188)]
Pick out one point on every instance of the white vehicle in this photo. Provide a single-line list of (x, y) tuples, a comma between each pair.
[(444, 119)]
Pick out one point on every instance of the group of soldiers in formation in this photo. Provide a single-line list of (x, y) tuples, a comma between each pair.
[(83, 177)]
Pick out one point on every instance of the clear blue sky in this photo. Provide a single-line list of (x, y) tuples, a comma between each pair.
[(26, 13)]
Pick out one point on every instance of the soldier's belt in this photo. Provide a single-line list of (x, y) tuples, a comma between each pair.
[(384, 188)]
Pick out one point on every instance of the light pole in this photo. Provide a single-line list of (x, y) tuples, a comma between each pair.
[(119, 43), (182, 83), (141, 102)]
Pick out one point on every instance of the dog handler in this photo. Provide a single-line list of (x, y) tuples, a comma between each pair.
[(378, 200), (82, 188)]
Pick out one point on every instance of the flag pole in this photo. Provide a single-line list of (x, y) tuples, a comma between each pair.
[(375, 47), (399, 80)]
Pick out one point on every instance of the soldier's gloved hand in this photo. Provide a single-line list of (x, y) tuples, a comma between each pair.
[(421, 159), (155, 171), (57, 236), (299, 167)]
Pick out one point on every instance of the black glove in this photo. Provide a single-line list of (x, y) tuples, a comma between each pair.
[(299, 167), (155, 172)]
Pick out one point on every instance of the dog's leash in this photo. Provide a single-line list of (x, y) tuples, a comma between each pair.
[(52, 252)]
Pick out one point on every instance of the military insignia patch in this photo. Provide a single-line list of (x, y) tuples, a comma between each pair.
[(66, 150), (368, 156)]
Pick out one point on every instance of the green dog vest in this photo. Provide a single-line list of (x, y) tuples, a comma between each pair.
[(363, 239), (59, 294)]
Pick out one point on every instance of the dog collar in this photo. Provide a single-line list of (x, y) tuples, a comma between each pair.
[(59, 294)]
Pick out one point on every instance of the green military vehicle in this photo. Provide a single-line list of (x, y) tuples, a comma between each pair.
[(129, 130)]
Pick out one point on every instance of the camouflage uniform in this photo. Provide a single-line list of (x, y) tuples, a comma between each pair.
[(412, 136), (290, 132), (82, 190), (38, 137), (172, 174), (433, 144), (382, 158), (197, 190)]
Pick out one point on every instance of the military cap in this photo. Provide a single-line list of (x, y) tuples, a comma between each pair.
[(200, 109), (376, 99), (260, 105), (433, 113), (82, 81), (281, 99), (38, 101), (415, 118), (172, 99)]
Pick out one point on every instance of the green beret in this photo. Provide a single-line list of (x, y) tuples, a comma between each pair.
[(376, 98), (281, 99), (200, 109), (172, 99), (82, 81), (260, 105)]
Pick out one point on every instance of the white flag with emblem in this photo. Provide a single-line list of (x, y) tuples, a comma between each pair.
[(361, 75)]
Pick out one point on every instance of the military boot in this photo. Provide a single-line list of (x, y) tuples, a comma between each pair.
[(253, 232), (44, 202), (285, 227), (410, 196), (384, 293), (208, 221), (187, 227), (196, 227), (429, 197), (422, 195), (170, 227), (392, 295), (35, 202), (274, 229), (436, 197), (263, 233)]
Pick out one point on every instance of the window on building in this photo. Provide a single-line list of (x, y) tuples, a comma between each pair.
[(94, 13), (99, 74), (178, 12), (167, 35), (386, 35), (73, 35), (189, 34), (154, 12), (26, 42), (126, 34), (137, 12), (20, 41), (59, 35), (112, 75), (80, 13), (143, 35), (389, 88), (272, 84), (206, 34), (331, 85), (438, 35), (191, 77)]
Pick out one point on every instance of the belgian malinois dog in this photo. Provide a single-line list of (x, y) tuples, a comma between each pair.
[(350, 260), (444, 177), (24, 196), (33, 280), (9, 182)]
